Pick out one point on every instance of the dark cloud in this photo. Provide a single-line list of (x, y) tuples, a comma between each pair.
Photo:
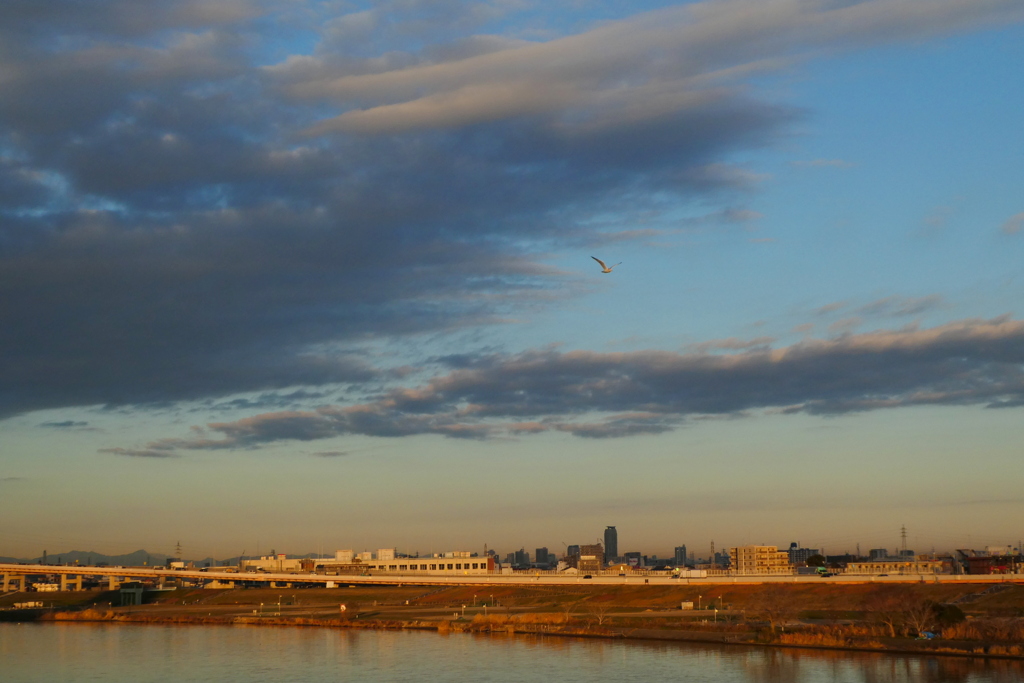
[(265, 401), (597, 395), (42, 19), (141, 452), (66, 424), (165, 237), (168, 233)]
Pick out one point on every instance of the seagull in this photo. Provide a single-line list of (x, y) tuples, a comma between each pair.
[(604, 268)]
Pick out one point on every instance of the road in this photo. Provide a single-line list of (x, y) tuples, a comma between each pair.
[(518, 579)]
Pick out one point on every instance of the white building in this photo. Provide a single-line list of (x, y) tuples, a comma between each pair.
[(432, 565)]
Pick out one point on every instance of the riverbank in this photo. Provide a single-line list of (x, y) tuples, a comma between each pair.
[(965, 620), (833, 638)]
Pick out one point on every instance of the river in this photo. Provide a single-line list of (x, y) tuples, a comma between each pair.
[(229, 654)]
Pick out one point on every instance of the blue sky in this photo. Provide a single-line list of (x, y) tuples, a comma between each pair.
[(314, 275)]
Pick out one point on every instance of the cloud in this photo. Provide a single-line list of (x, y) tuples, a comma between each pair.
[(732, 344), (897, 306), (141, 452), (823, 163), (66, 424), (830, 308), (596, 395), (1013, 224), (643, 67), (845, 325), (12, 480), (166, 233), (939, 216), (331, 454)]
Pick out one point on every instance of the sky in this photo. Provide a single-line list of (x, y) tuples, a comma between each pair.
[(315, 275)]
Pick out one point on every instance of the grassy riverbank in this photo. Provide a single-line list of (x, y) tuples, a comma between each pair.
[(966, 619)]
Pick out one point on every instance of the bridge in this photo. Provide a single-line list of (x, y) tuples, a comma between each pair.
[(71, 578)]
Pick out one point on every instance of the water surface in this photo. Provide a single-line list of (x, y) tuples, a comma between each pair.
[(229, 654)]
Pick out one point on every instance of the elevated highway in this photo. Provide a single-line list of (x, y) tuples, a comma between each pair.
[(18, 574)]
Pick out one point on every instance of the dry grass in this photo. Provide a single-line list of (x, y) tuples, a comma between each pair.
[(502, 620), (818, 639), (1007, 630)]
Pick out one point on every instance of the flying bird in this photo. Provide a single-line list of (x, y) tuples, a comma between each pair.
[(604, 268)]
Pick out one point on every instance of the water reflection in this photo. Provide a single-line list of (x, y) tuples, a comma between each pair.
[(82, 652), (786, 666)]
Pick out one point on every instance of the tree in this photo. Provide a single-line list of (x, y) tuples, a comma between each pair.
[(887, 606), (948, 615), (773, 604), (567, 610), (920, 616), (815, 561), (599, 611)]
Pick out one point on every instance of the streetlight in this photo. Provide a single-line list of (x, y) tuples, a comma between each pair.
[(698, 601), (474, 601)]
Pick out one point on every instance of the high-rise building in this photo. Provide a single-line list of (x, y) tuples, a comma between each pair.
[(572, 551), (681, 557), (611, 544), (541, 556), (798, 555), (591, 558)]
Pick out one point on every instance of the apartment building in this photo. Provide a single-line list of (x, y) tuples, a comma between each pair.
[(759, 559)]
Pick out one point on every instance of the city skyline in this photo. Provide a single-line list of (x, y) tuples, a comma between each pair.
[(305, 275)]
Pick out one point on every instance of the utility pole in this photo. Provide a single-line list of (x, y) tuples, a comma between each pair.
[(714, 565)]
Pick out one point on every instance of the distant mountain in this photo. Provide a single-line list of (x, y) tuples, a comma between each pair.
[(137, 559)]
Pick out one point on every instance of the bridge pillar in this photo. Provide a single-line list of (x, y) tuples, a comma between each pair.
[(74, 581), (113, 583), (11, 579)]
